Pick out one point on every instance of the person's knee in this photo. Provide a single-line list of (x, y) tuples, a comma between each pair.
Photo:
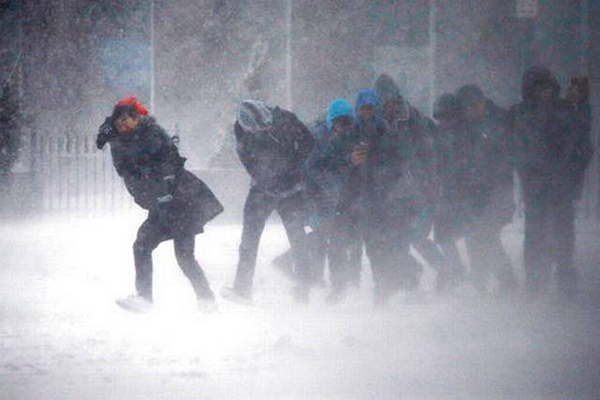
[(141, 247), (188, 265)]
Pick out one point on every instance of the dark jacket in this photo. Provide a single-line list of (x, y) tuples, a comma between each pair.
[(274, 159), (332, 181), (552, 141), (454, 210), (489, 167), (409, 156), (380, 172), (152, 169), (409, 147)]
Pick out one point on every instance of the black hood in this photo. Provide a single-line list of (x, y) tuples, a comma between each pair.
[(535, 77)]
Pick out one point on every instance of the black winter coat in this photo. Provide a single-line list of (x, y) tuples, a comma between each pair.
[(489, 173), (333, 182), (553, 147), (274, 159), (144, 158), (409, 152), (378, 177), (455, 209)]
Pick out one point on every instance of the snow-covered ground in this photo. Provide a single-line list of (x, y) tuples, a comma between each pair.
[(63, 337)]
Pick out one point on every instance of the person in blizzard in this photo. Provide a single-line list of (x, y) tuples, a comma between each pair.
[(383, 220), (554, 149), (178, 203), (333, 184), (411, 136), (315, 238), (272, 144), (490, 189), (453, 211)]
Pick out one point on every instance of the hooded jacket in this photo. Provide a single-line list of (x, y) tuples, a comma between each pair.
[(338, 108), (332, 178), (273, 157), (380, 175), (152, 169), (552, 140), (409, 148)]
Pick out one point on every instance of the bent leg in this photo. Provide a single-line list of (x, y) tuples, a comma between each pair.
[(257, 209), (537, 244), (184, 252), (148, 238), (291, 212), (563, 218)]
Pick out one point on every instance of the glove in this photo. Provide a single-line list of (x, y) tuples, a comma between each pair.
[(106, 133)]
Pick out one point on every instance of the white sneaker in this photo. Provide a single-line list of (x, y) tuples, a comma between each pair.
[(135, 303), (207, 306)]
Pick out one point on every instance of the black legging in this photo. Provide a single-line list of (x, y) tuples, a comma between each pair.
[(149, 236)]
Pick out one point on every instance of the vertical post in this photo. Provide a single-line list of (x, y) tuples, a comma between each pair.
[(20, 60), (432, 52), (288, 54), (152, 57)]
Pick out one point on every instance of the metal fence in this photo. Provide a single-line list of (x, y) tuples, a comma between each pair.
[(70, 174)]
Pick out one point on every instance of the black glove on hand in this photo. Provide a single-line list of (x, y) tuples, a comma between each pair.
[(106, 133)]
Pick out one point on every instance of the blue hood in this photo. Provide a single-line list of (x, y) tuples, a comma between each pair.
[(368, 97), (338, 108)]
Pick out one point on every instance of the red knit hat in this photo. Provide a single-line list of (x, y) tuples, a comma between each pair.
[(131, 101)]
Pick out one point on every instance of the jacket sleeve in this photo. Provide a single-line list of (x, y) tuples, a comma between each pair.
[(320, 167), (303, 140), (123, 165), (137, 187), (244, 151), (164, 165), (161, 155)]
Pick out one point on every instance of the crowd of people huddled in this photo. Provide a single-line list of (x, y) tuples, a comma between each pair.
[(378, 176)]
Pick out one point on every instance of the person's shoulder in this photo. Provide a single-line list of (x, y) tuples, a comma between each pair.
[(279, 112), (148, 122), (320, 129), (150, 127), (284, 116), (317, 124)]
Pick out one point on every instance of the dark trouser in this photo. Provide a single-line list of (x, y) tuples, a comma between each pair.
[(488, 257), (345, 251), (388, 249), (257, 209), (149, 236), (549, 237)]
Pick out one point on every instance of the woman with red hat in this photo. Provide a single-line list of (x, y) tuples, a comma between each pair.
[(178, 203)]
